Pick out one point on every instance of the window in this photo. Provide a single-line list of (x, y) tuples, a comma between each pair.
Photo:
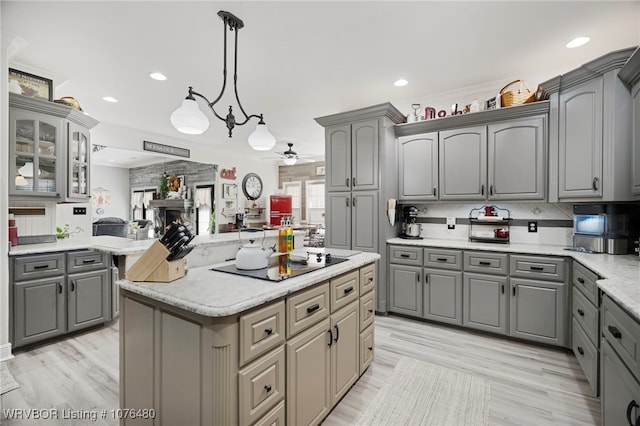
[(315, 202), (295, 190), (140, 206), (203, 201)]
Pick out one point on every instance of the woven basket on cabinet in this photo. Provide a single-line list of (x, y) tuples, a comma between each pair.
[(516, 97)]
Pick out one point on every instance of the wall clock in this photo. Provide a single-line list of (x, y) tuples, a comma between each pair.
[(252, 186)]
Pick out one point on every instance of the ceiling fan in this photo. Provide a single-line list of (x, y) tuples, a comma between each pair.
[(290, 156)]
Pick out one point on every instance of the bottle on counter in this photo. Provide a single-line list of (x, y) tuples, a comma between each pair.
[(283, 259)]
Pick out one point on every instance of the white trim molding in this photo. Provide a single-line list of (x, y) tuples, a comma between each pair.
[(5, 352)]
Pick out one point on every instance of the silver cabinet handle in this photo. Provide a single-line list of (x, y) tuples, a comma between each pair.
[(594, 184)]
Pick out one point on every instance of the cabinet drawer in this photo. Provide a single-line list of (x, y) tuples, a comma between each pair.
[(85, 260), (344, 290), (367, 278), (39, 266), (261, 331), (488, 263), (406, 255), (367, 310), (585, 280), (623, 333), (261, 386), (443, 259), (306, 308), (275, 417), (537, 267), (586, 315), (367, 349), (586, 353)]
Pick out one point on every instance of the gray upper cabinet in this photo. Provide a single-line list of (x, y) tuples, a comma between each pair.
[(463, 163), (516, 159), (580, 145), (630, 74), (418, 167), (78, 163), (352, 154)]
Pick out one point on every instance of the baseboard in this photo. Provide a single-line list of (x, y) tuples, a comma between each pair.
[(5, 352)]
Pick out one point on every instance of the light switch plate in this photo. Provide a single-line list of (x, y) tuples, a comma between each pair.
[(451, 223), (79, 210)]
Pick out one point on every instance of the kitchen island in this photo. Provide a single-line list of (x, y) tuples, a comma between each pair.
[(210, 348)]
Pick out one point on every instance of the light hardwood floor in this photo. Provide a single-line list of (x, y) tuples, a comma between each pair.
[(530, 384)]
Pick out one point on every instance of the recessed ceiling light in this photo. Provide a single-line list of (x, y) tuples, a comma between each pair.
[(158, 76), (578, 41), (109, 99), (401, 82)]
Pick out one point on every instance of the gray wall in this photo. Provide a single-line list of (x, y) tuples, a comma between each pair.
[(148, 176)]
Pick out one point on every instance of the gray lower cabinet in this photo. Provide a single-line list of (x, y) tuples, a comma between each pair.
[(442, 296), (485, 302), (463, 163), (418, 167), (620, 391), (405, 289), (88, 299), (538, 311), (39, 310)]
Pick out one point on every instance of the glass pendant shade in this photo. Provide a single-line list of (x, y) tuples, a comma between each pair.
[(290, 161), (189, 118), (261, 139)]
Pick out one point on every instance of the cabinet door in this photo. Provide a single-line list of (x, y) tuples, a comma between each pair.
[(338, 230), (516, 159), (364, 221), (338, 158), (345, 355), (39, 310), (406, 289), (463, 164), (620, 391), (580, 141), (636, 139), (364, 155), (485, 302), (442, 296), (418, 167), (308, 390), (88, 299), (78, 163), (538, 311), (35, 140)]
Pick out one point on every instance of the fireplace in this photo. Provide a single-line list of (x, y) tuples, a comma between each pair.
[(167, 211)]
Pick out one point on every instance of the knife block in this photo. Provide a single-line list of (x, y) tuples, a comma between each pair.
[(153, 266)]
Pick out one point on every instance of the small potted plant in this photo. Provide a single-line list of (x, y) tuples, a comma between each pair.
[(66, 232)]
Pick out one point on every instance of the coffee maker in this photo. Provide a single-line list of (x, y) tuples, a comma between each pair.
[(410, 229)]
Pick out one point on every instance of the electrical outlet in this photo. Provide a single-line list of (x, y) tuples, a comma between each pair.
[(451, 223), (533, 226), (79, 210)]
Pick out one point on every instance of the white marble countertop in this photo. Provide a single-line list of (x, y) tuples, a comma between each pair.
[(620, 273), (218, 294)]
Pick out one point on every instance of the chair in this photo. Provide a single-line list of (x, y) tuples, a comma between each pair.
[(113, 226)]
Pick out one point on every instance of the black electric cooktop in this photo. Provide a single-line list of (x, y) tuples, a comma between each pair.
[(271, 273)]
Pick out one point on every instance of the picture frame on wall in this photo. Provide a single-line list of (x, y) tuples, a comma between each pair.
[(30, 85), (229, 191)]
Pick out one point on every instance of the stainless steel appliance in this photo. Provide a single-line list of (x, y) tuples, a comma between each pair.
[(410, 229), (605, 228)]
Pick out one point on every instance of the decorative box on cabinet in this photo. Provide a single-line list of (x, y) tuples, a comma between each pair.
[(54, 140)]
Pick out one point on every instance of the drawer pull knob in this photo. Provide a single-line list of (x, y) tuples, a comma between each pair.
[(370, 311), (633, 404), (269, 331), (267, 388), (370, 348), (615, 332), (536, 268), (581, 280), (580, 350), (580, 312), (40, 266), (483, 263), (348, 290), (370, 279), (313, 308), (89, 261), (402, 255), (441, 259)]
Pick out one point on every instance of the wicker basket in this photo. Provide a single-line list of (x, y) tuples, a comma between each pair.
[(516, 97)]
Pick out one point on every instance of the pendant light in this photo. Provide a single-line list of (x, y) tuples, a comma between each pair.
[(189, 119)]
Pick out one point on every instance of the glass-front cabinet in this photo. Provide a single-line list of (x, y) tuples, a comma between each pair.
[(50, 151)]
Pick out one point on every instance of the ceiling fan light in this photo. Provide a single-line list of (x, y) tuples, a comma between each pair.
[(261, 139), (189, 118), (290, 161)]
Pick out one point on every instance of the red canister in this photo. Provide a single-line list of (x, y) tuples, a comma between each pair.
[(13, 235)]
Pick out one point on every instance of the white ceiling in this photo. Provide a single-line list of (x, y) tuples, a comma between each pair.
[(299, 60)]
